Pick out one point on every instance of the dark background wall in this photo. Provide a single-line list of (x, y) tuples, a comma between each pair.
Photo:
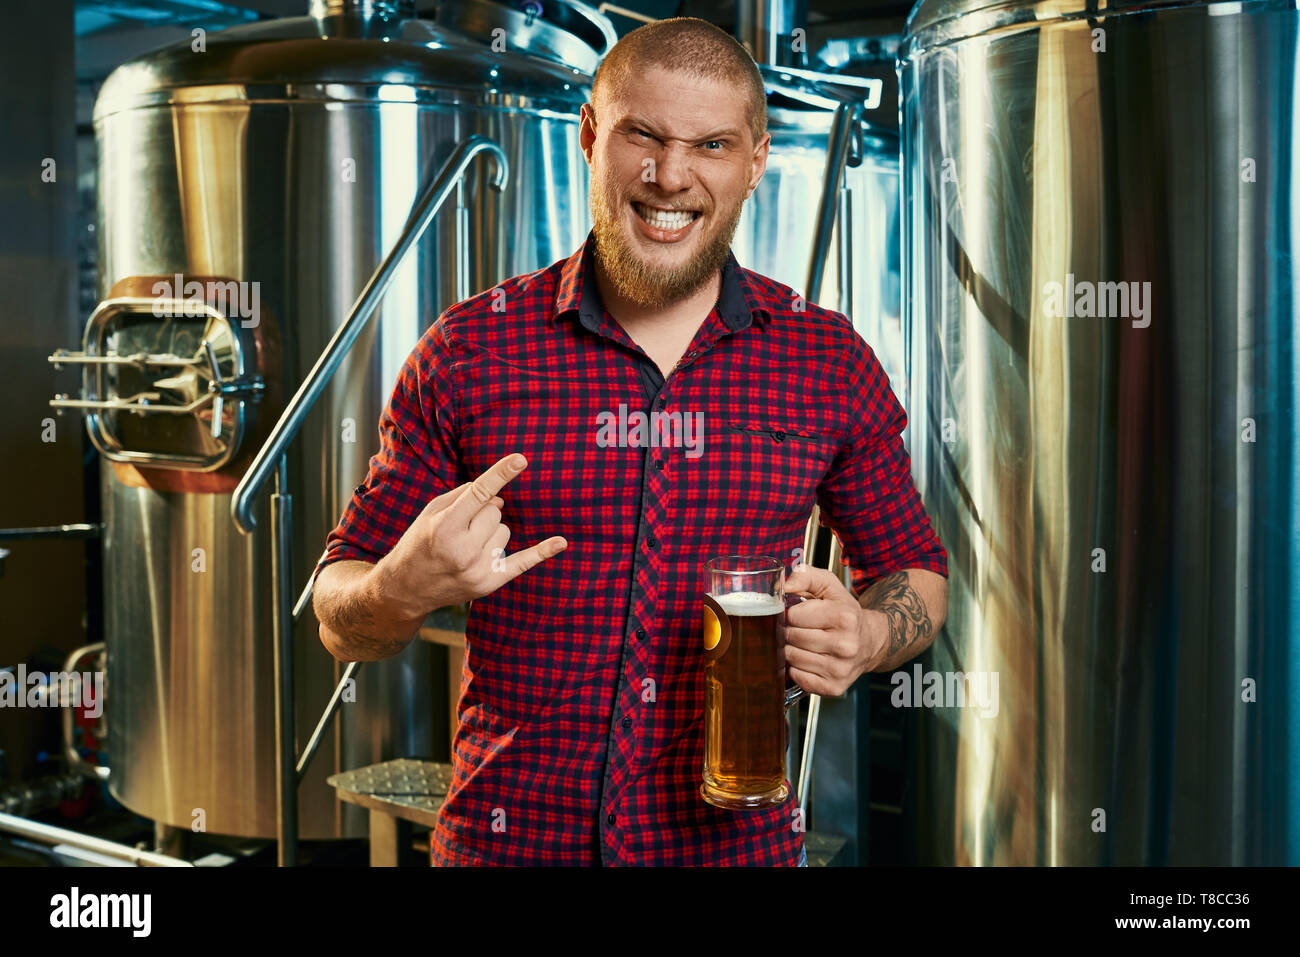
[(42, 588)]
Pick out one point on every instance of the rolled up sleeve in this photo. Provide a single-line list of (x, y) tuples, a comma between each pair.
[(417, 458), (867, 497)]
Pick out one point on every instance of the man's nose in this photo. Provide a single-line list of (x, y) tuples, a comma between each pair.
[(673, 171)]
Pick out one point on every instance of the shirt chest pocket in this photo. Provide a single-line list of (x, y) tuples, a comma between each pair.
[(766, 471)]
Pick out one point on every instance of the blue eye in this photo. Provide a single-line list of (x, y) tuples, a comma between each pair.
[(719, 142)]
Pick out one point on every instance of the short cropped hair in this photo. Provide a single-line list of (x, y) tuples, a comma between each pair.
[(686, 45)]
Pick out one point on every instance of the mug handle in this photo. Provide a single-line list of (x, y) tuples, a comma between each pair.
[(794, 692)]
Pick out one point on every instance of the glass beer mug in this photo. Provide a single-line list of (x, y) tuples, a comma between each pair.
[(744, 678)]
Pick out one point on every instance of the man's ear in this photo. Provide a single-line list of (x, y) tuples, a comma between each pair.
[(586, 129), (760, 160)]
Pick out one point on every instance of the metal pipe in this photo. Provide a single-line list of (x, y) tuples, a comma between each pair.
[(286, 792), (815, 707), (462, 244), (57, 835), (793, 80), (304, 596), (360, 8), (345, 337), (83, 530), (765, 26), (810, 533), (845, 264), (814, 701), (805, 759), (809, 545), (169, 840), (608, 8), (843, 127), (322, 726), (73, 759)]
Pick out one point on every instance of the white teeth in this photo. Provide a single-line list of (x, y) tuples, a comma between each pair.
[(661, 219)]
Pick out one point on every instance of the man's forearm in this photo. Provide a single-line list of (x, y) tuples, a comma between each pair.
[(913, 603), (359, 622)]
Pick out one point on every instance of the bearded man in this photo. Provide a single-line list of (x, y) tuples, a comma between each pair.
[(622, 416)]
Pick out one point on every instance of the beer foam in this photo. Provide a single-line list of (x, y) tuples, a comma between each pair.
[(748, 604)]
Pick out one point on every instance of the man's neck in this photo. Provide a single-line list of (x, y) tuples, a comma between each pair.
[(663, 332)]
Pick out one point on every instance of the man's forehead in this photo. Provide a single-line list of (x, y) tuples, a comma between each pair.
[(659, 83), (718, 105)]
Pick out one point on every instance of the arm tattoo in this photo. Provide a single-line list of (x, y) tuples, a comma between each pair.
[(897, 600)]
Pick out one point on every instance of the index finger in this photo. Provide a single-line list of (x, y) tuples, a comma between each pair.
[(485, 488), (814, 582), (812, 613)]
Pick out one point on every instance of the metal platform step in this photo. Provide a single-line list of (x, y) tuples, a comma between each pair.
[(404, 792)]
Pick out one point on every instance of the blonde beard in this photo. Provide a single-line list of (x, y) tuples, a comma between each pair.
[(643, 284)]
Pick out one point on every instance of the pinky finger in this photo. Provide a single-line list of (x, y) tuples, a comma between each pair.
[(811, 683)]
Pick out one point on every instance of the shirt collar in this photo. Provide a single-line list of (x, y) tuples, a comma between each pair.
[(579, 295)]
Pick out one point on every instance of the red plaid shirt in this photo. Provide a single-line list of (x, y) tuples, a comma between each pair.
[(582, 693)]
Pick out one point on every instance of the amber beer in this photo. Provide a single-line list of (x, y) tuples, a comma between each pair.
[(745, 687)]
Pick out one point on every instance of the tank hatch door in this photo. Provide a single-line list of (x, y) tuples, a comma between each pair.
[(165, 382)]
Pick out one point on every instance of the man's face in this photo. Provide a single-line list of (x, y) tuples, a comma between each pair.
[(672, 161)]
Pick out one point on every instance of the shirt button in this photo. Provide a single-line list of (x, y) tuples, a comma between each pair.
[(650, 543), (640, 633), (627, 723), (659, 464), (662, 402), (610, 820)]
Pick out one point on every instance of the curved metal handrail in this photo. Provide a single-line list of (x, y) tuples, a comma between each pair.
[(422, 213), (843, 129)]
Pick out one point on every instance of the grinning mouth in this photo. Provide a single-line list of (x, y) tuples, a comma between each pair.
[(663, 218)]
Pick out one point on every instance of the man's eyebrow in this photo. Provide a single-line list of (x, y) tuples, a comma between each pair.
[(633, 120), (726, 131)]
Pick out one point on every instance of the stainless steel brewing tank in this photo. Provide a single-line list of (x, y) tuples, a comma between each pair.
[(1113, 469), (288, 154)]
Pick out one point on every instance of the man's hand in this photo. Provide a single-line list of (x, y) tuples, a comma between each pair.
[(830, 639), (454, 551)]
